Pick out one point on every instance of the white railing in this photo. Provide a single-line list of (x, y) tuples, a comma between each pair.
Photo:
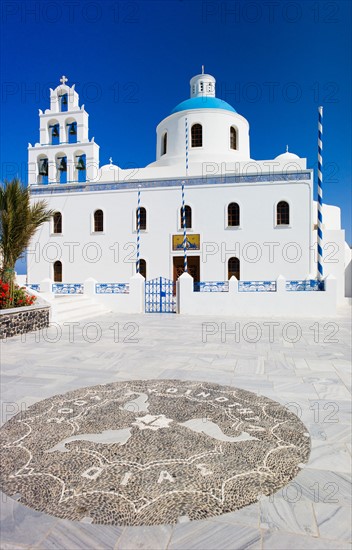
[(256, 286), (211, 286), (305, 285), (112, 288), (67, 288)]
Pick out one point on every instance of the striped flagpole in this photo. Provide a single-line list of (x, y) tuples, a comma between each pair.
[(185, 263), (138, 229), (320, 193), (186, 132)]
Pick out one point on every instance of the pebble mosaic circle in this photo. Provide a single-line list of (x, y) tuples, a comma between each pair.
[(150, 452)]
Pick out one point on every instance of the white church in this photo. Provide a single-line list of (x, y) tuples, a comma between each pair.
[(249, 229)]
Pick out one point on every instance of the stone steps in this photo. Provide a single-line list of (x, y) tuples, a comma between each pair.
[(75, 308)]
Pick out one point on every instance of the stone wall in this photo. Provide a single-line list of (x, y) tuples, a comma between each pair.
[(23, 319)]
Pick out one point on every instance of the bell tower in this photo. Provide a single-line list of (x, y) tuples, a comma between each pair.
[(64, 154)]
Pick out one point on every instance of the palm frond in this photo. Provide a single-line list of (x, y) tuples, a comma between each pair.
[(19, 221)]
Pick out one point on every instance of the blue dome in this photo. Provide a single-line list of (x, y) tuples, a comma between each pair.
[(202, 103)]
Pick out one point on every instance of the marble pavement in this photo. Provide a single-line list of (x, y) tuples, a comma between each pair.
[(304, 365)]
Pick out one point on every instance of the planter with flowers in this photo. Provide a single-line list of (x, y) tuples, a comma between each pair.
[(12, 295), (19, 312)]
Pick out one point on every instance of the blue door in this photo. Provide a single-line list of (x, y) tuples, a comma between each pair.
[(159, 296)]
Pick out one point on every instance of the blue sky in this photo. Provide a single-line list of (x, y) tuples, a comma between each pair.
[(132, 60)]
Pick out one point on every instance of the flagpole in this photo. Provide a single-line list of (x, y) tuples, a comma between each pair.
[(320, 193), (138, 228), (185, 262)]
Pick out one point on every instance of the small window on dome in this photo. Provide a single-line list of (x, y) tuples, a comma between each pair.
[(233, 138), (197, 135), (164, 144), (201, 86)]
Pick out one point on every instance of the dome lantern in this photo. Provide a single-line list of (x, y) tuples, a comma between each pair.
[(202, 85)]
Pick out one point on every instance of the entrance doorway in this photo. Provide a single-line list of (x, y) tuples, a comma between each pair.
[(192, 264)]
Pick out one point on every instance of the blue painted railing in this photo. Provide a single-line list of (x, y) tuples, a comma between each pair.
[(256, 286), (67, 288), (259, 286), (112, 288), (305, 285), (33, 286), (211, 286)]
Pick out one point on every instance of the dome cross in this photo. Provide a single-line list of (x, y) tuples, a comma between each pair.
[(63, 79)]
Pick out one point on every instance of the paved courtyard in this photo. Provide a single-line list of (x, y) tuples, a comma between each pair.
[(303, 365)]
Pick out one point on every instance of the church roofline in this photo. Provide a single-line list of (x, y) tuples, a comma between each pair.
[(304, 176)]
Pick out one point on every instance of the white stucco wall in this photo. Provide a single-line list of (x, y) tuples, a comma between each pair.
[(264, 249), (257, 304), (216, 124)]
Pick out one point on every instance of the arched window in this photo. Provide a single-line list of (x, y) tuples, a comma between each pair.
[(197, 135), (43, 170), (233, 138), (57, 222), (164, 144), (143, 218), (233, 215), (57, 272), (61, 164), (54, 132), (72, 132), (63, 102), (81, 168), (188, 217), (233, 268), (143, 268), (98, 221), (282, 213)]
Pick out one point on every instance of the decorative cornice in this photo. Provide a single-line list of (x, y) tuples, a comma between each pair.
[(57, 188)]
